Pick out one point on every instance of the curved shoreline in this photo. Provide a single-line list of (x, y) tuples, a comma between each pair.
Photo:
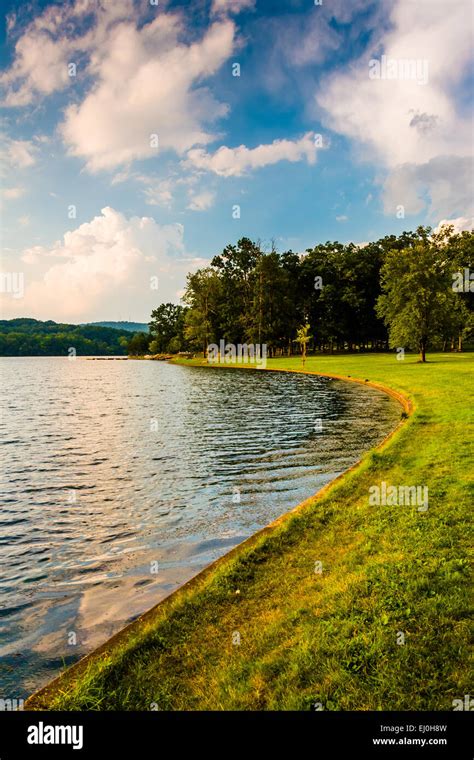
[(36, 700)]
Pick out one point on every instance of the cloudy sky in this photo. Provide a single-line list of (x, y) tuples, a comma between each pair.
[(138, 139)]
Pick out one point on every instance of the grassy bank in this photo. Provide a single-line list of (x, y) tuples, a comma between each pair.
[(333, 638)]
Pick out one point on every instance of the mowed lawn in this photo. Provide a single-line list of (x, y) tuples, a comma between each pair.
[(384, 626)]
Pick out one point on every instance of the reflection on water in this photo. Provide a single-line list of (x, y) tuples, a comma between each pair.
[(124, 479)]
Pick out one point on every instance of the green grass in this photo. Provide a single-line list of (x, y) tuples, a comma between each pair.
[(328, 638)]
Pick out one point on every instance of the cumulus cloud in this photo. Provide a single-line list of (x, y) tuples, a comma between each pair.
[(147, 88), (411, 130), (460, 224), (234, 162), (103, 268), (445, 184), (148, 94), (51, 41)]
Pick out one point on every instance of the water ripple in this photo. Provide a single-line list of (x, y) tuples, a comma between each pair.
[(123, 479)]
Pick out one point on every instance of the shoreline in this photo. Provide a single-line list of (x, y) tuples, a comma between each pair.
[(41, 696)]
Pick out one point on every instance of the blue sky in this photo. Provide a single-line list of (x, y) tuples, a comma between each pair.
[(305, 141)]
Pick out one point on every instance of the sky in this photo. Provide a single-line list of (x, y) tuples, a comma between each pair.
[(140, 137)]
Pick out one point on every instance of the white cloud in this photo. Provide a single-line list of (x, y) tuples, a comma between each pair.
[(40, 68), (201, 201), (145, 80), (148, 83), (234, 162), (18, 154), (33, 255), (159, 193), (445, 184), (460, 224), (120, 177), (12, 193), (11, 21), (51, 41), (103, 269), (410, 129), (342, 218), (15, 156), (231, 6)]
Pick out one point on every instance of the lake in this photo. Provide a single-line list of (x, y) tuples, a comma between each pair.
[(123, 479)]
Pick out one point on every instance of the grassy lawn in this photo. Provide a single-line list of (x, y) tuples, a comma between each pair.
[(333, 639)]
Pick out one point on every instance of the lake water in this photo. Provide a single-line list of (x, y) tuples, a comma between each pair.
[(122, 479)]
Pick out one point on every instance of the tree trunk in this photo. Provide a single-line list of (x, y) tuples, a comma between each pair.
[(422, 351)]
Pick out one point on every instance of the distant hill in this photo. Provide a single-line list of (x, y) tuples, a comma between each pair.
[(32, 337), (128, 326)]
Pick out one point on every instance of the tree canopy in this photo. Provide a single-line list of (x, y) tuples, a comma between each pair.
[(415, 290), (418, 302), (394, 291), (32, 337)]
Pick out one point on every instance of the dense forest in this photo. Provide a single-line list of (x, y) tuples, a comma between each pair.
[(31, 337), (414, 291)]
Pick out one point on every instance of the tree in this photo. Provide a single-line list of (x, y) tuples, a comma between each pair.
[(167, 325), (235, 267), (270, 317), (456, 325), (303, 338), (31, 337), (462, 245), (138, 344), (349, 293), (203, 296), (417, 290)]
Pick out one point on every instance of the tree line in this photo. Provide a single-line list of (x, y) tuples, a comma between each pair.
[(32, 337), (414, 290)]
